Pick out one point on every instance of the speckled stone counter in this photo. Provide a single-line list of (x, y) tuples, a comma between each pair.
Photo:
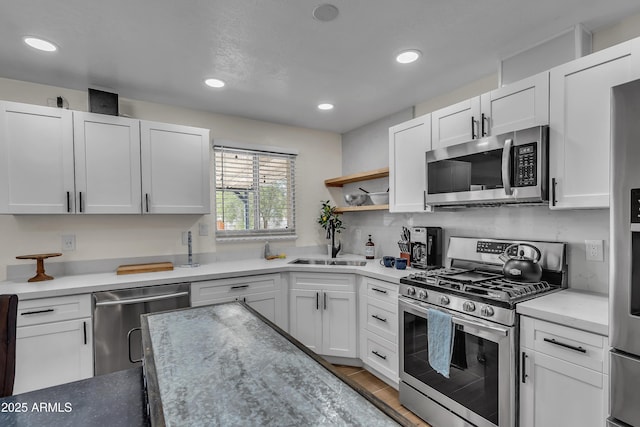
[(114, 400), (225, 365)]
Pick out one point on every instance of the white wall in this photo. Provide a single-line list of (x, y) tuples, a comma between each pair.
[(121, 236)]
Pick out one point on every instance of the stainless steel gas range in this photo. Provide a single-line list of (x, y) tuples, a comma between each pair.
[(481, 389)]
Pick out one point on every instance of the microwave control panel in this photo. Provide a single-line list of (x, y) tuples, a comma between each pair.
[(525, 165)]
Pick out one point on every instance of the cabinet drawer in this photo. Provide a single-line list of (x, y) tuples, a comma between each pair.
[(381, 355), (46, 310), (382, 319), (324, 281), (383, 291), (572, 345), (228, 289)]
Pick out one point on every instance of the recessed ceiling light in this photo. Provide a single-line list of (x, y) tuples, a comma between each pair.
[(40, 44), (408, 56), (217, 83), (325, 107)]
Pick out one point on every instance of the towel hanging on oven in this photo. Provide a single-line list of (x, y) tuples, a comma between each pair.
[(440, 340)]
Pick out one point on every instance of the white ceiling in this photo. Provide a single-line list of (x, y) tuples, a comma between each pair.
[(278, 61)]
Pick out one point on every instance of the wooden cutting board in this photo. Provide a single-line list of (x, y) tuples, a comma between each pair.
[(144, 268)]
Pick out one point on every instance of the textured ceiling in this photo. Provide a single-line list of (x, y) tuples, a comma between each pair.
[(278, 61)]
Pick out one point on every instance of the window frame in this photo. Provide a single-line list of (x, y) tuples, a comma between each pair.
[(255, 233)]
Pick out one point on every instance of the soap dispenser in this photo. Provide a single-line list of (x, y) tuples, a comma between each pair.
[(369, 249)]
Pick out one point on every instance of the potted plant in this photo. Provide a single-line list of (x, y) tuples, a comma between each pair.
[(331, 222)]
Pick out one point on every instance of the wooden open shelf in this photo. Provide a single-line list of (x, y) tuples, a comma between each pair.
[(361, 176), (342, 209)]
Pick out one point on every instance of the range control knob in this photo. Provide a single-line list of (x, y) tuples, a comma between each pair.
[(444, 300), (486, 311), (468, 306), (422, 294), (411, 291)]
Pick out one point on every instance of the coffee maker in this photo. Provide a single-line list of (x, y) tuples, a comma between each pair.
[(426, 247)]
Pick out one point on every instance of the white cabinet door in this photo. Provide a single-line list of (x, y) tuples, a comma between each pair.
[(559, 393), (305, 318), (520, 105), (579, 128), (175, 169), (408, 144), (107, 164), (55, 353), (455, 124), (339, 324), (36, 159)]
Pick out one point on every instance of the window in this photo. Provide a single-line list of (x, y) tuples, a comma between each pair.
[(255, 193)]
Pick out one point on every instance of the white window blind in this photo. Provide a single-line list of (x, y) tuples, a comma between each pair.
[(255, 193)]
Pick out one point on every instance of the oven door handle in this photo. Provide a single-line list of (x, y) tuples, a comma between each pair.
[(495, 330), (422, 309), (506, 167)]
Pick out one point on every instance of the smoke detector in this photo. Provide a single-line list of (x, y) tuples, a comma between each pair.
[(325, 12)]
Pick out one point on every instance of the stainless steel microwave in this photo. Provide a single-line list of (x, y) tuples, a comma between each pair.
[(507, 168)]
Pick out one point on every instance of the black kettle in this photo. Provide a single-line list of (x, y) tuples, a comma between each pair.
[(521, 268)]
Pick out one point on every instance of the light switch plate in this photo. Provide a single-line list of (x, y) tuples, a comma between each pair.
[(594, 250), (203, 229)]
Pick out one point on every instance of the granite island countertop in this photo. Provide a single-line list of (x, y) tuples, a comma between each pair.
[(226, 365)]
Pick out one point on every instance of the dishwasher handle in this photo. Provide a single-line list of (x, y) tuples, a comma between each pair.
[(129, 342), (142, 299)]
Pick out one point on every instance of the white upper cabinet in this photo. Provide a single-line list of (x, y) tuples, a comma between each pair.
[(408, 143), (36, 159), (580, 126), (455, 124), (175, 169), (520, 105), (107, 164)]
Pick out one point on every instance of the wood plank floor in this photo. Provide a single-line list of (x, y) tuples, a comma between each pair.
[(380, 389)]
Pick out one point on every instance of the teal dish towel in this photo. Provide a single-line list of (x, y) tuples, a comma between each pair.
[(440, 339)]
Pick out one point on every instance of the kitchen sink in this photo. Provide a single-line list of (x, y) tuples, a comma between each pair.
[(327, 262)]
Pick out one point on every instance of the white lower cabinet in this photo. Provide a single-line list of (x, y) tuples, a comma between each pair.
[(378, 305), (263, 293), (322, 312), (54, 342), (563, 376)]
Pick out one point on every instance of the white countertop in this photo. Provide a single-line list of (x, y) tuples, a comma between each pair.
[(87, 283), (578, 309)]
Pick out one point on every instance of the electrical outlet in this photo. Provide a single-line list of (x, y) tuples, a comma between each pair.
[(358, 234), (203, 229), (69, 242), (185, 238), (594, 250)]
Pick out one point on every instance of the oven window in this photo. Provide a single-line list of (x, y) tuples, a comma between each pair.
[(473, 375), (481, 171)]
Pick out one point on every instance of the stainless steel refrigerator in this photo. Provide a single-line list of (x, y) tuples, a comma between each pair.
[(624, 274)]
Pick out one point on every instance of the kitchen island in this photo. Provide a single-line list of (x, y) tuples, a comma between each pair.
[(226, 365)]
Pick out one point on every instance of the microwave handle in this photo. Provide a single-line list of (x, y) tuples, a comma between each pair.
[(506, 167)]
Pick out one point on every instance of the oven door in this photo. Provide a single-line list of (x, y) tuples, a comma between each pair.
[(481, 384)]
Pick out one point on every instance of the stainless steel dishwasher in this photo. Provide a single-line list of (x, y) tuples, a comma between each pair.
[(118, 312)]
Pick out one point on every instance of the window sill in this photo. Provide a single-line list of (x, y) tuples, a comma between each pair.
[(255, 238)]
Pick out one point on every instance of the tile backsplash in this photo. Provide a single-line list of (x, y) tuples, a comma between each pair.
[(522, 222)]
